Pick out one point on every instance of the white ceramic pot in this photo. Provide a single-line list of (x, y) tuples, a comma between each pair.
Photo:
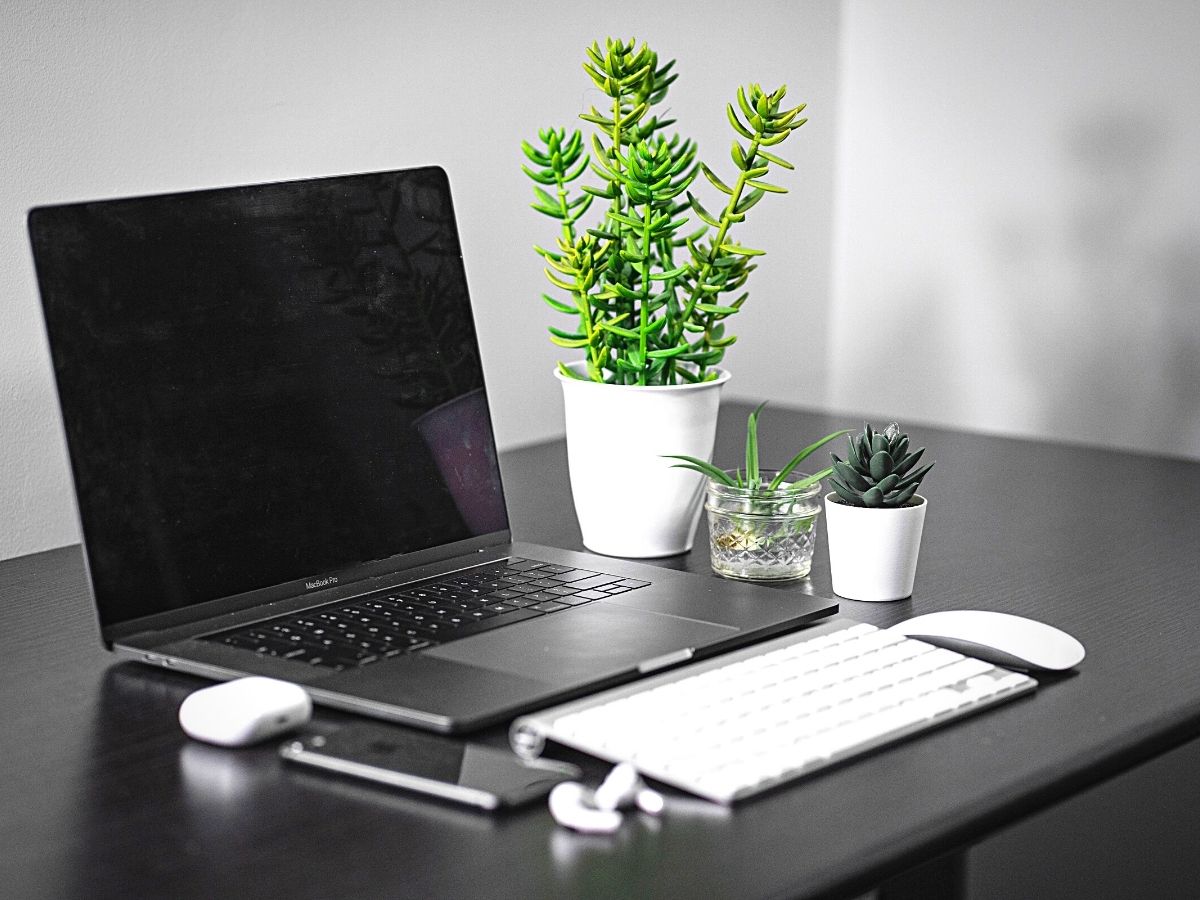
[(873, 552), (628, 499)]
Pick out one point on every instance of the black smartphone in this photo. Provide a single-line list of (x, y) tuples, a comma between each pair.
[(475, 774)]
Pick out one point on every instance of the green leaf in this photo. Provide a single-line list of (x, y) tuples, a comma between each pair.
[(559, 283), (549, 201), (845, 493), (888, 484), (739, 156), (737, 125), (769, 188), (714, 310), (747, 109), (623, 332), (668, 276), (704, 468), (597, 119), (752, 445), (804, 454), (668, 353), (570, 373), (540, 177), (882, 465), (703, 213), (908, 462), (716, 182), (534, 154), (742, 251), (748, 201), (556, 305), (849, 476), (804, 482), (570, 345), (775, 159), (915, 478)]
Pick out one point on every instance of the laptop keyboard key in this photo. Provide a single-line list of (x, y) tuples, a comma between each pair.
[(573, 575), (550, 606), (594, 581), (592, 595)]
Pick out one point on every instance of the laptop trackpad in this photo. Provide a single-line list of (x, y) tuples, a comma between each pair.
[(581, 643)]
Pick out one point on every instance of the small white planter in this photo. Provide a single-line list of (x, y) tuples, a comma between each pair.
[(873, 552), (628, 498)]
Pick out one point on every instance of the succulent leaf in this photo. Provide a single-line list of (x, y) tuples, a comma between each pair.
[(881, 465), (878, 472)]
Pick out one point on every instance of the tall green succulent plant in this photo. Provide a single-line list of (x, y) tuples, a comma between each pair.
[(879, 469), (649, 299)]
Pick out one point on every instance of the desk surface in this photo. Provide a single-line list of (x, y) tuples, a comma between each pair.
[(103, 795)]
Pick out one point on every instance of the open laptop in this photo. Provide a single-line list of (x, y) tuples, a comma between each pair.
[(284, 462)]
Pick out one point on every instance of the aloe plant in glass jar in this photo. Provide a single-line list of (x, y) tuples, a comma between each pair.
[(762, 522)]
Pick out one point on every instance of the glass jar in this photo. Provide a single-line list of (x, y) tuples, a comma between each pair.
[(763, 535)]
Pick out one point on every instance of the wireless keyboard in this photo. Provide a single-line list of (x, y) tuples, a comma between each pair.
[(733, 726)]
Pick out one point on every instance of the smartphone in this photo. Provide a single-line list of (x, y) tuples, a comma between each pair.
[(474, 774)]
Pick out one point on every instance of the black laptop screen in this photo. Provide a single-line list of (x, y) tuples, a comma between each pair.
[(266, 384)]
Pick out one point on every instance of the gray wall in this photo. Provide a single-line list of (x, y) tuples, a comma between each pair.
[(116, 98), (1017, 236), (993, 223)]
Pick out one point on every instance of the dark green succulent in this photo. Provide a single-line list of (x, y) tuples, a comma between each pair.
[(879, 470)]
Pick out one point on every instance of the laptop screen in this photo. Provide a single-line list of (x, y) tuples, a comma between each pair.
[(265, 385)]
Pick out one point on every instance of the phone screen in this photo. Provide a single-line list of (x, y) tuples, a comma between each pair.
[(453, 769)]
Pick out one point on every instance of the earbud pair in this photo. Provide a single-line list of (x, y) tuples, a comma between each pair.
[(598, 811)]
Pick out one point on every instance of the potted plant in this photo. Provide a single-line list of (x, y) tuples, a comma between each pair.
[(761, 522), (875, 516), (648, 293)]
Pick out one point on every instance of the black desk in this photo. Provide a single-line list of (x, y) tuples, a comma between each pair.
[(102, 795)]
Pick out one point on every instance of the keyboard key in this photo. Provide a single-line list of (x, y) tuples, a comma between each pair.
[(550, 606), (594, 581), (573, 575), (576, 600), (592, 595), (561, 591)]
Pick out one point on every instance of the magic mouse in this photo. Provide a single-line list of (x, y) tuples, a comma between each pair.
[(1000, 638)]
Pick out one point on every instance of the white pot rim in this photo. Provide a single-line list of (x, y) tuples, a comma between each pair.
[(834, 497), (581, 367)]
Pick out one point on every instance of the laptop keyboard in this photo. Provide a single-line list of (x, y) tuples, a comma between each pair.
[(414, 616)]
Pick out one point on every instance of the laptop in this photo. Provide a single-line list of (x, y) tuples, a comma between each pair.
[(284, 463)]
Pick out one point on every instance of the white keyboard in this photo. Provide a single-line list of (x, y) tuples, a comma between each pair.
[(735, 725)]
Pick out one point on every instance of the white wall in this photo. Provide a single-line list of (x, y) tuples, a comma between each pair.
[(994, 223), (121, 97), (1017, 236)]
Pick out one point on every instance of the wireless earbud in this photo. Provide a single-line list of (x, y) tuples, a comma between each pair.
[(598, 811)]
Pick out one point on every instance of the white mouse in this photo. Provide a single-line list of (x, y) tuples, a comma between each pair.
[(244, 711), (1000, 638)]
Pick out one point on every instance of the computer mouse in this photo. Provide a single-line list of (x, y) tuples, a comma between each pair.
[(1000, 638), (244, 711)]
